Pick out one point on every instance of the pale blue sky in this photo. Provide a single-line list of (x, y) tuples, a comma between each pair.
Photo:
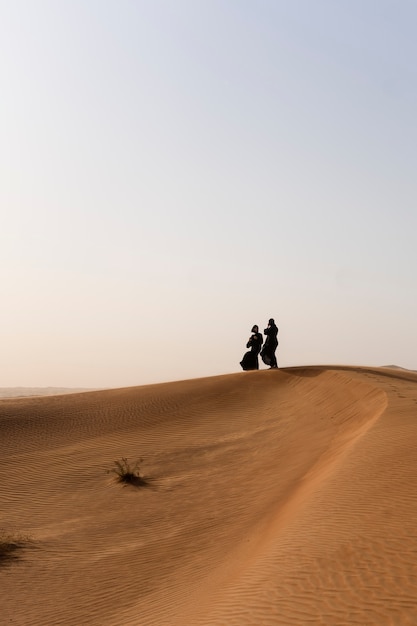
[(173, 172)]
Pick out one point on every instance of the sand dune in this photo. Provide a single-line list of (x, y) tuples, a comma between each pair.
[(282, 497)]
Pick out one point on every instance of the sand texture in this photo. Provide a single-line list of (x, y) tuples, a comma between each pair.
[(278, 497)]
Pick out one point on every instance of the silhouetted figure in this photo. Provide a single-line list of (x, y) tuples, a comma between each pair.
[(250, 359), (270, 345)]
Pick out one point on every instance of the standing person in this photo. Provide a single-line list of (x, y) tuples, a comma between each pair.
[(271, 344), (250, 359)]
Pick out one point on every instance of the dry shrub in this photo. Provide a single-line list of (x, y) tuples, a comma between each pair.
[(11, 543), (129, 474)]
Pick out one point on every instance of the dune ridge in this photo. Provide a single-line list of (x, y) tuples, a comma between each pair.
[(276, 497)]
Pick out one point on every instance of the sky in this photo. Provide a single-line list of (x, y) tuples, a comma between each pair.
[(173, 172)]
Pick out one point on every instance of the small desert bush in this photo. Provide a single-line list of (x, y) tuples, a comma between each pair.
[(129, 474), (11, 543)]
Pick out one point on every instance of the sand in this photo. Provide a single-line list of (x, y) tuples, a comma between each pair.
[(281, 497)]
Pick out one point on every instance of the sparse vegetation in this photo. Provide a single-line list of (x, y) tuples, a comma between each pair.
[(11, 543), (129, 474)]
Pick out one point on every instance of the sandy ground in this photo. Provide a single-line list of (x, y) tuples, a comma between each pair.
[(281, 497)]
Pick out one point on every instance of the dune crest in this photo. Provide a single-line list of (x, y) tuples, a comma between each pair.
[(275, 497)]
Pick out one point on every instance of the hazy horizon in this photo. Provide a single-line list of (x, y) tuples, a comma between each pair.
[(173, 173)]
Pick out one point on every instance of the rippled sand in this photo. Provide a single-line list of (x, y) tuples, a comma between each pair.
[(282, 497)]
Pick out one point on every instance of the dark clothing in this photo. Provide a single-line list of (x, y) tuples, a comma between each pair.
[(255, 343), (250, 359), (271, 344)]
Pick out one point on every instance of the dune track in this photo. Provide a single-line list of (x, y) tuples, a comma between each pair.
[(275, 498)]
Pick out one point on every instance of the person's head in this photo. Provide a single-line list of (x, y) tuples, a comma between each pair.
[(271, 321), (255, 329)]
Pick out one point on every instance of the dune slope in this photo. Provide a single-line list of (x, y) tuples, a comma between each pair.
[(275, 497)]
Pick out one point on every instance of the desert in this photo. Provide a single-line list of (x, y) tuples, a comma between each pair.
[(280, 497), (208, 375)]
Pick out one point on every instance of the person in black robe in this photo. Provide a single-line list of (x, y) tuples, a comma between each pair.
[(270, 345), (250, 359)]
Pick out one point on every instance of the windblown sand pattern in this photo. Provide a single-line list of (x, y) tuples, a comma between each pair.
[(282, 497)]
